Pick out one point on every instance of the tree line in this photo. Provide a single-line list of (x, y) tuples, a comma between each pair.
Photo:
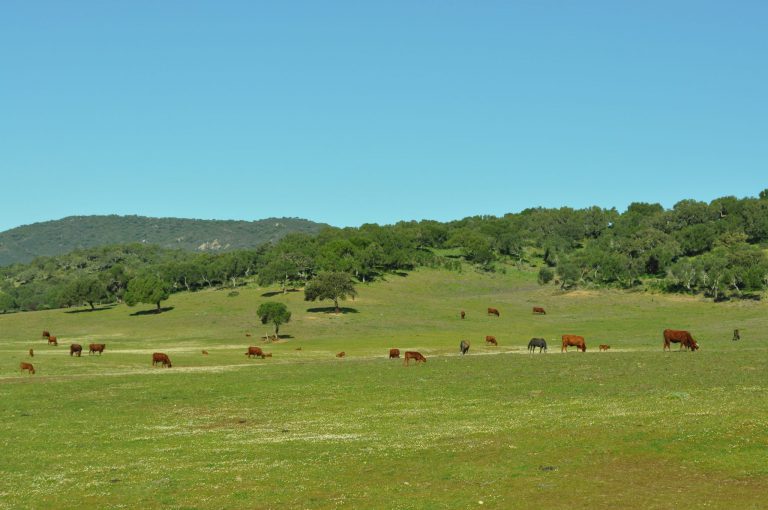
[(716, 249)]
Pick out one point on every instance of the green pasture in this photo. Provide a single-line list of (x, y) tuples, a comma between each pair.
[(633, 427)]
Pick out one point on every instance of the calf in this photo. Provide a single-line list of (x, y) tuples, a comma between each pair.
[(31, 353), (52, 340), (205, 353), (159, 357), (539, 310), (46, 334), (394, 353), (462, 314), (491, 340), (341, 354), (27, 366), (736, 335), (94, 348), (413, 355), (255, 351), (604, 347), (537, 342), (464, 347), (75, 349), (493, 311)]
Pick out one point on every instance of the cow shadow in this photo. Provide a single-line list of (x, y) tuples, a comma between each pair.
[(278, 292), (331, 309), (153, 311), (89, 310)]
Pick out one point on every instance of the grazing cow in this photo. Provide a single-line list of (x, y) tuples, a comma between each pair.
[(394, 353), (736, 335), (76, 349), (159, 357), (205, 353), (462, 314), (537, 342), (94, 348), (413, 355), (684, 338), (298, 348), (493, 311), (341, 354), (52, 340), (46, 334), (247, 334), (464, 347), (255, 351), (539, 310), (491, 340), (31, 353), (575, 340), (604, 347), (27, 366)]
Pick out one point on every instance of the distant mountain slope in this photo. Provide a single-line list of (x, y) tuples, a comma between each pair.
[(22, 244)]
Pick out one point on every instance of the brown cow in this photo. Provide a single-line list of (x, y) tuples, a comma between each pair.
[(575, 340), (46, 334), (93, 348), (27, 366), (462, 314), (736, 335), (52, 340), (491, 340), (394, 353), (31, 353), (255, 351), (341, 354), (76, 349), (159, 357), (493, 311), (604, 347), (539, 310), (205, 353), (416, 356), (684, 338), (464, 347)]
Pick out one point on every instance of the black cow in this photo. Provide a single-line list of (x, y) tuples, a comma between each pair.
[(537, 342)]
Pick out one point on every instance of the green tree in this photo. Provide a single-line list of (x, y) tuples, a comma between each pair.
[(85, 289), (274, 312), (330, 285), (147, 289), (545, 275), (6, 302)]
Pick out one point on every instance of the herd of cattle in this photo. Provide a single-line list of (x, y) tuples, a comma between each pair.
[(671, 336)]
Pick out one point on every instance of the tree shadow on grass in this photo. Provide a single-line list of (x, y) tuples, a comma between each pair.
[(278, 292), (153, 311), (331, 309), (89, 310)]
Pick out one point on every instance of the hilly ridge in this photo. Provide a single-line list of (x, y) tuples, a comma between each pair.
[(57, 237)]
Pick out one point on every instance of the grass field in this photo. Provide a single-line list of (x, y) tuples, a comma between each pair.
[(633, 427)]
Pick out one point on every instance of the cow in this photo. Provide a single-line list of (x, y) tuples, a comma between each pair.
[(27, 366), (464, 347), (46, 334), (159, 357), (537, 342), (413, 355), (31, 353), (684, 338), (462, 314), (247, 334), (575, 340), (394, 353), (75, 349), (537, 310), (52, 340), (491, 340), (341, 354), (94, 348), (493, 311), (604, 347), (736, 335), (205, 353), (255, 351)]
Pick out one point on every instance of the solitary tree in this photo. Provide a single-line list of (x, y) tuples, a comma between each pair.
[(276, 313), (86, 289), (147, 289), (333, 286)]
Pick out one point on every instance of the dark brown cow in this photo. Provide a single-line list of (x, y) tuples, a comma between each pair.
[(462, 314), (604, 347), (736, 335), (493, 311), (31, 353), (464, 347), (159, 357), (52, 340), (341, 354), (46, 334), (75, 349), (575, 340), (205, 353), (539, 310), (255, 351), (413, 355), (684, 338), (394, 353), (491, 340), (93, 348), (27, 366)]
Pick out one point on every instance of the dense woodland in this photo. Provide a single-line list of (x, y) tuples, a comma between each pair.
[(715, 249)]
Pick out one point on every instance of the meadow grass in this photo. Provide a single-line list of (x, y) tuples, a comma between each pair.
[(633, 427)]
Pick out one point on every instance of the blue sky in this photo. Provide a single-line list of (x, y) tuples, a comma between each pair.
[(355, 112)]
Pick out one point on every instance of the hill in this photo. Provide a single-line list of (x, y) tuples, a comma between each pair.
[(57, 237)]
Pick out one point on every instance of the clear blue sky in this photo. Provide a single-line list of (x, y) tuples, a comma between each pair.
[(355, 112)]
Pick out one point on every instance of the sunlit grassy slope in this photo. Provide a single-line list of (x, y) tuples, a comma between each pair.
[(633, 427)]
